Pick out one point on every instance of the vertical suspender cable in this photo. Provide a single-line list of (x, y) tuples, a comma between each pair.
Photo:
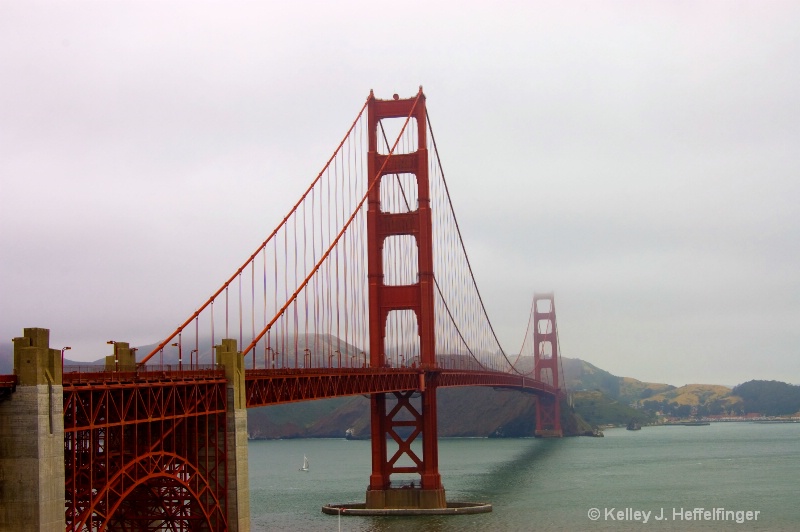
[(241, 333)]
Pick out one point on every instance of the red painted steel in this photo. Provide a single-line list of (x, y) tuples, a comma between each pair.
[(266, 387), (167, 373), (269, 387), (449, 378), (418, 297), (548, 412), (146, 453), (8, 383), (380, 225)]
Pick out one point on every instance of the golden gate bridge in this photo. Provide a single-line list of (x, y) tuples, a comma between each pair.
[(365, 287)]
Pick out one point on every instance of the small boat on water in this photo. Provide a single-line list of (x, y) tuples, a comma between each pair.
[(305, 464), (350, 434)]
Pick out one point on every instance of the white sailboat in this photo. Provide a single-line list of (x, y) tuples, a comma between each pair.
[(305, 464)]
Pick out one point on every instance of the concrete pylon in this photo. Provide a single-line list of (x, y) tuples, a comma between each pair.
[(32, 439), (123, 358), (238, 496)]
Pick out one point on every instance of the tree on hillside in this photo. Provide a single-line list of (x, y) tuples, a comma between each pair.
[(770, 398)]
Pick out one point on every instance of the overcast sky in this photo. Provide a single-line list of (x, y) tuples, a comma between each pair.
[(640, 159)]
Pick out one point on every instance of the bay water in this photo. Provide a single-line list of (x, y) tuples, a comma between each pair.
[(665, 478)]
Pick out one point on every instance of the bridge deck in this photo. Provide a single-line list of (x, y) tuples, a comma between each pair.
[(274, 386), (265, 387)]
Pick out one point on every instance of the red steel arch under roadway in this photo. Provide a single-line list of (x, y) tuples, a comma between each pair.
[(145, 447)]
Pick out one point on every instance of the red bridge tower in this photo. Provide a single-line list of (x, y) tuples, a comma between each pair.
[(415, 421), (545, 356)]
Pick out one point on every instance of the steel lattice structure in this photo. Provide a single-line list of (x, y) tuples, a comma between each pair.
[(146, 454)]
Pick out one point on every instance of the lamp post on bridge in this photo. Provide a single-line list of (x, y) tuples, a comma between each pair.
[(180, 358), (62, 358), (306, 358), (196, 354)]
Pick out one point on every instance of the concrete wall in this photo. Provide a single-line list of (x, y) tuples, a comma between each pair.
[(32, 440), (238, 511)]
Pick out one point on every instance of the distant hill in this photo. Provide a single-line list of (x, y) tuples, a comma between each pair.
[(694, 394), (693, 399), (631, 390), (580, 375), (598, 408), (302, 420), (770, 398), (601, 398)]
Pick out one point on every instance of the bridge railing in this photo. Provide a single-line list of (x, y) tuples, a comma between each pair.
[(74, 374)]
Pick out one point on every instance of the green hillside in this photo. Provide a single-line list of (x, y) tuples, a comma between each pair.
[(770, 398), (293, 420), (598, 408)]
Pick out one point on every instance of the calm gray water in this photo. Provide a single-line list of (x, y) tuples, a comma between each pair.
[(554, 484)]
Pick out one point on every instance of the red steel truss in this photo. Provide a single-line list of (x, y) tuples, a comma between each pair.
[(266, 387), (145, 454), (546, 364)]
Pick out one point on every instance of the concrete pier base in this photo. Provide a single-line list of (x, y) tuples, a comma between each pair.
[(238, 504), (407, 498), (452, 508), (32, 439)]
